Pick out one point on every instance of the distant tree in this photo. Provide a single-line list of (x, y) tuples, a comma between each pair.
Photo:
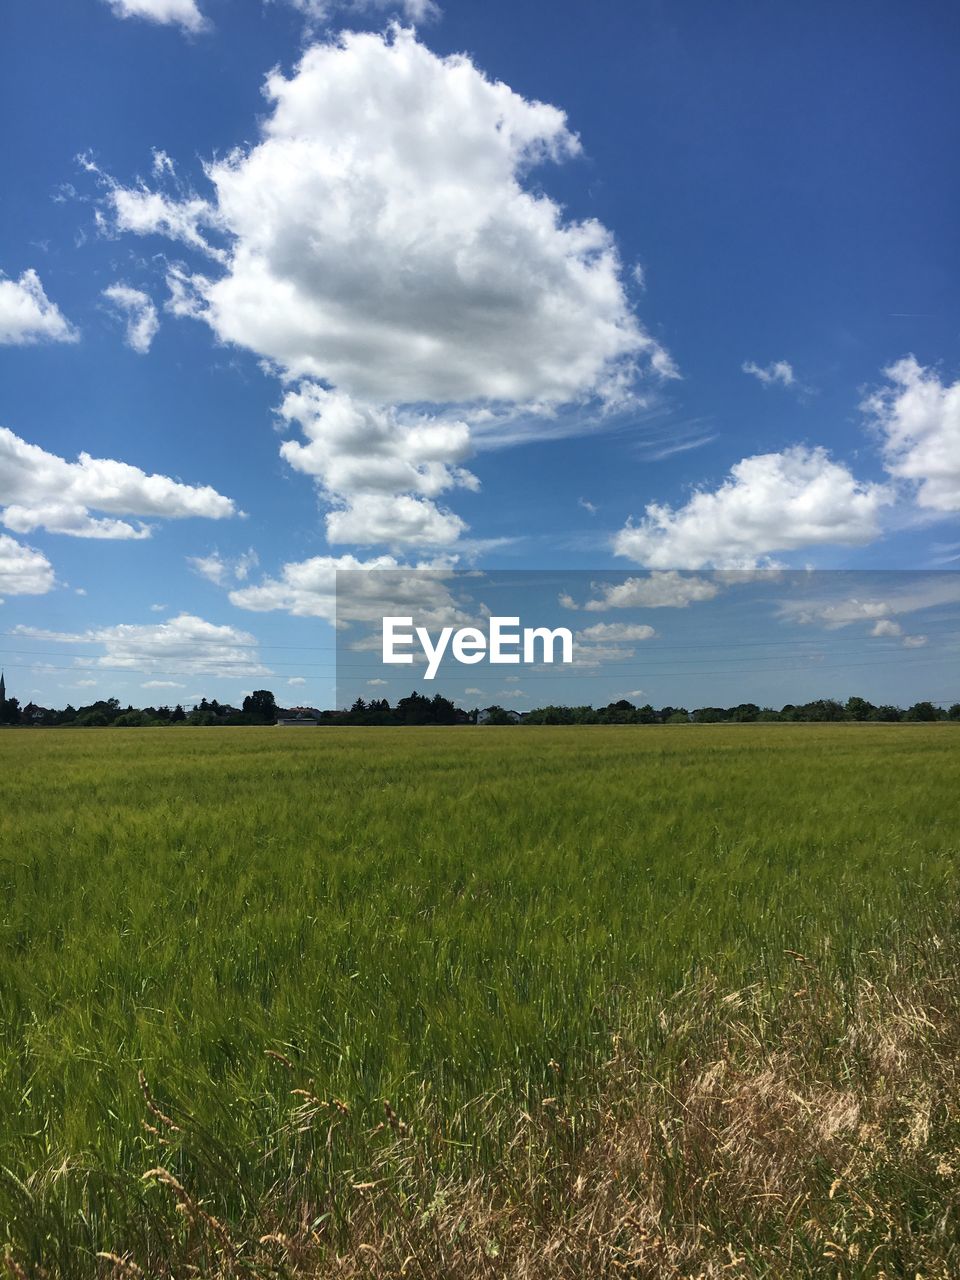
[(745, 713), (442, 710), (261, 704), (923, 711), (130, 720), (887, 714), (92, 720), (858, 709), (824, 709), (666, 715), (10, 711), (414, 709), (954, 712)]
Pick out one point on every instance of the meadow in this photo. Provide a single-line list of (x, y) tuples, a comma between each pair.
[(288, 973)]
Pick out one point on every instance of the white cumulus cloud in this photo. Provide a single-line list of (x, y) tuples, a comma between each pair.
[(382, 471), (382, 246), (181, 13), (27, 315), (139, 312), (918, 417), (186, 645), (365, 591), (885, 627), (24, 571), (40, 490), (615, 632), (317, 12), (305, 588), (770, 502), (398, 521), (668, 590), (381, 238)]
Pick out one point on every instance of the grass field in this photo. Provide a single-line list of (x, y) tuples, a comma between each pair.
[(468, 923)]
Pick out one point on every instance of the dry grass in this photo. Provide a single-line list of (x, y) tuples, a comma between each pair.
[(804, 1132)]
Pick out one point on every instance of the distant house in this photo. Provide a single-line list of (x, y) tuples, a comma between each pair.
[(493, 714), (298, 716)]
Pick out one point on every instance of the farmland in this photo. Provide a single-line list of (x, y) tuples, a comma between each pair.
[(468, 923)]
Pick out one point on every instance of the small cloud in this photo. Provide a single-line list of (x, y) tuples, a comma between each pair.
[(634, 693), (639, 274), (666, 589), (377, 681), (914, 642), (615, 632), (212, 567), (161, 684), (139, 312), (85, 684), (162, 164), (317, 13), (588, 506), (28, 316), (479, 692), (79, 591), (159, 608), (778, 371), (243, 564), (181, 13), (886, 627), (221, 571), (297, 680)]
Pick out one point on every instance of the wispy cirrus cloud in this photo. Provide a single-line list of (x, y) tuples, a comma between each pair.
[(777, 373)]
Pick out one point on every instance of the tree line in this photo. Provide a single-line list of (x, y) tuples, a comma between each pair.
[(260, 708)]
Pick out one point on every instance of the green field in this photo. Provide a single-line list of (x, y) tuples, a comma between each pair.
[(456, 920)]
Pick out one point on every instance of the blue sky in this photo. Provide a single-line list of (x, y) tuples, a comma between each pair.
[(633, 287)]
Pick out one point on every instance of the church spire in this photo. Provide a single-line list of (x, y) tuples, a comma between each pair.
[(3, 691)]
